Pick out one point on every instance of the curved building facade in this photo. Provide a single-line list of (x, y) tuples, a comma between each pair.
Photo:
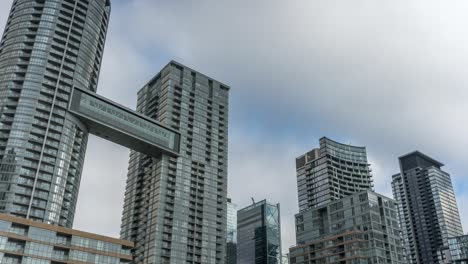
[(48, 48), (331, 172)]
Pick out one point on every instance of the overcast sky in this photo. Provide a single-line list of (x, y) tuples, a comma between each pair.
[(388, 75)]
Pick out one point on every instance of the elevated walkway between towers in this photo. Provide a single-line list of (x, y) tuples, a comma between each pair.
[(121, 125)]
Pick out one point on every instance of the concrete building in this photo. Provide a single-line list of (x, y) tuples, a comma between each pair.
[(175, 207), (48, 47), (259, 234), (428, 210), (23, 241), (331, 172), (458, 250), (231, 233), (360, 228)]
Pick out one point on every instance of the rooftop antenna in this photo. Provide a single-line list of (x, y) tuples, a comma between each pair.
[(253, 201)]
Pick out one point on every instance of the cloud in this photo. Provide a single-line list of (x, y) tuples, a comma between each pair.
[(389, 76), (386, 75), (100, 201), (264, 170)]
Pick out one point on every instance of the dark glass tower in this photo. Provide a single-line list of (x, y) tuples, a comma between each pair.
[(428, 210), (48, 48), (331, 172), (259, 234), (175, 207)]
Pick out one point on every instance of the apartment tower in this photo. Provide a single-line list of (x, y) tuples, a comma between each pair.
[(359, 228), (175, 207), (331, 172), (341, 219), (48, 48), (427, 208)]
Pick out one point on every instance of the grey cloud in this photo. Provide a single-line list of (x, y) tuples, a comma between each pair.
[(102, 188), (265, 170), (389, 75)]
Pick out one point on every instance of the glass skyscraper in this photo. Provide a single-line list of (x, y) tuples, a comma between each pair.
[(331, 172), (259, 234), (428, 210), (231, 233), (175, 207), (48, 48)]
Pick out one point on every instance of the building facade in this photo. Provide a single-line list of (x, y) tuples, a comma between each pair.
[(360, 228), (47, 49), (331, 172), (398, 190), (428, 210), (175, 207), (458, 249), (231, 233), (23, 241), (259, 234)]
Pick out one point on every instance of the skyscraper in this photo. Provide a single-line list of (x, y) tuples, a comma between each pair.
[(231, 233), (428, 210), (175, 207), (48, 48), (259, 234), (341, 219), (331, 172)]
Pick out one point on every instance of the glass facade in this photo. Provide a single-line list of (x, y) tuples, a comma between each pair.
[(259, 234), (48, 47), (360, 228), (28, 242), (331, 172), (428, 210), (458, 247), (231, 233), (175, 208)]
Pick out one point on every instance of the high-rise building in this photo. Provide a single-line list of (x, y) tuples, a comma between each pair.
[(331, 172), (48, 48), (458, 250), (259, 234), (360, 228), (231, 233), (30, 242), (175, 207), (341, 219), (397, 187), (428, 210)]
